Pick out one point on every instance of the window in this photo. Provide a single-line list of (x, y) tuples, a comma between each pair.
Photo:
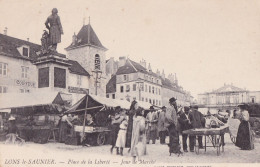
[(159, 102), (153, 90), (146, 100), (125, 77), (149, 89), (156, 102), (43, 77), (24, 90), (142, 99), (159, 91), (153, 101), (3, 69), (127, 89), (150, 101), (79, 80), (97, 62), (145, 88), (113, 96), (25, 72), (142, 87), (3, 89), (107, 95), (134, 87), (25, 51), (59, 77), (157, 81), (121, 88)]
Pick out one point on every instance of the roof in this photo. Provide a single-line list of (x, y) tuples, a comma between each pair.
[(76, 68), (87, 36), (131, 67), (111, 85), (9, 47), (228, 88)]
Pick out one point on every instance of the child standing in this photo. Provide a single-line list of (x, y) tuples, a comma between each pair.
[(121, 138)]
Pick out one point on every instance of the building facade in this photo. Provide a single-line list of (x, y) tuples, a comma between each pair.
[(134, 80), (228, 97), (24, 70)]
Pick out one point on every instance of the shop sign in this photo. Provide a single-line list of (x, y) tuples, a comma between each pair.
[(77, 90), (24, 83)]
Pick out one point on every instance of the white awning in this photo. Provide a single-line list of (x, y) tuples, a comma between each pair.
[(144, 105), (15, 100), (112, 102)]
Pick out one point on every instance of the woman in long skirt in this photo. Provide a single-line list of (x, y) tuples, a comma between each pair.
[(244, 138), (131, 113), (138, 145)]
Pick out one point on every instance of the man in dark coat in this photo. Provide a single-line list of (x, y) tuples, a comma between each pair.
[(185, 125), (171, 121), (197, 121)]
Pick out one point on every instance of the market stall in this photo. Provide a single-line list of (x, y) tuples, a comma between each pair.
[(94, 111), (37, 114), (214, 134)]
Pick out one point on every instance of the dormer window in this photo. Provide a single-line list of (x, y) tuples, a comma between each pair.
[(26, 51)]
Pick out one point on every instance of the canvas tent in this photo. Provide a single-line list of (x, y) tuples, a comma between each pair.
[(24, 103), (92, 102)]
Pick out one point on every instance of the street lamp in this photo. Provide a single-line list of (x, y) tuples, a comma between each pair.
[(97, 76), (140, 84)]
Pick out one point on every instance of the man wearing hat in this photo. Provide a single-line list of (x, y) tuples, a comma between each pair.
[(185, 125), (151, 119), (161, 128), (171, 121), (197, 121)]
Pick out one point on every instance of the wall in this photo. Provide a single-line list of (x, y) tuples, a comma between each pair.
[(14, 75), (144, 95), (86, 57)]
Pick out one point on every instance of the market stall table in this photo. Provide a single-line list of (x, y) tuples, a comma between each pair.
[(214, 134)]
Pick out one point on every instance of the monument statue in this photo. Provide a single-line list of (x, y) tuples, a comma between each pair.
[(51, 39)]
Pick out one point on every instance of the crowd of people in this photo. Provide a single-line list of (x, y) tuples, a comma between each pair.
[(134, 129)]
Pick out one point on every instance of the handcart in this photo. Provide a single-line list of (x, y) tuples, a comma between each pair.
[(215, 134)]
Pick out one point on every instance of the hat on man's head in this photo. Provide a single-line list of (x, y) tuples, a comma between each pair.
[(186, 108), (194, 107), (172, 99), (152, 108)]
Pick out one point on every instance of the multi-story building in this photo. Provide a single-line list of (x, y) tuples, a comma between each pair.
[(134, 81), (228, 97)]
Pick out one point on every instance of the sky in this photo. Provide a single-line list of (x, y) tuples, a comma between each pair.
[(207, 43)]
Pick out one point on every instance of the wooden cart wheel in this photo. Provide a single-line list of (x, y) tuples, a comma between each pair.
[(101, 138)]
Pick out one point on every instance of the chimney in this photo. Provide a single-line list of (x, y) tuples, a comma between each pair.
[(158, 72), (122, 61), (74, 39), (143, 63), (163, 75), (149, 68), (28, 39), (5, 31)]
